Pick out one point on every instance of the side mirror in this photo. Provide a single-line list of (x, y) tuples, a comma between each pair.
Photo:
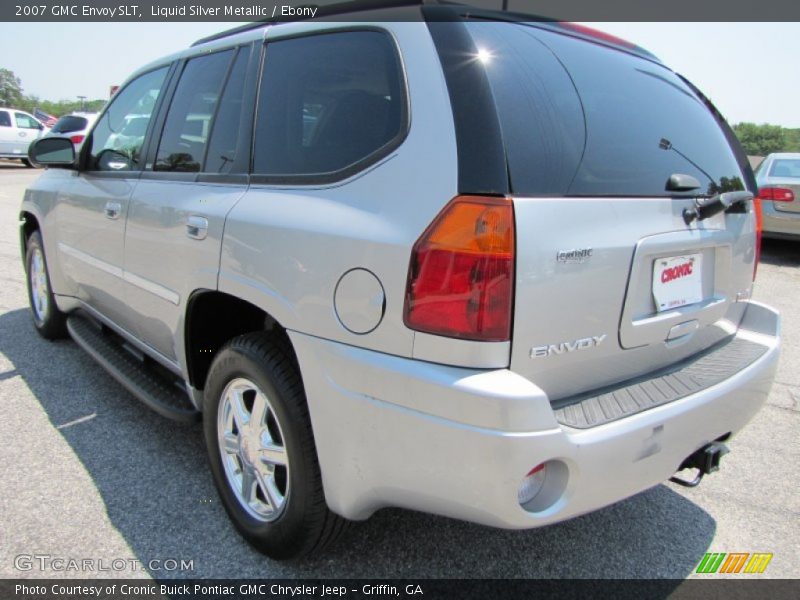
[(52, 152)]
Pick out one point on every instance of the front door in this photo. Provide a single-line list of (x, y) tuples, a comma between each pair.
[(92, 212)]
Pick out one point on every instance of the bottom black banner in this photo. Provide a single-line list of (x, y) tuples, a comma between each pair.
[(366, 589)]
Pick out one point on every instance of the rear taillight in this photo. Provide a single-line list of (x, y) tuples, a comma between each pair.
[(776, 194), (76, 139), (461, 277)]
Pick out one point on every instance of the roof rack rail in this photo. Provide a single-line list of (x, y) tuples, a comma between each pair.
[(325, 10)]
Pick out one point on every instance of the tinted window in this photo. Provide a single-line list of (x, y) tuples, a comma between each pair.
[(327, 102), (118, 137), (5, 119), (225, 131), (595, 126), (69, 124), (26, 121), (188, 124)]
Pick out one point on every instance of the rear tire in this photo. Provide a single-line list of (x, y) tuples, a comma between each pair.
[(50, 322), (261, 449)]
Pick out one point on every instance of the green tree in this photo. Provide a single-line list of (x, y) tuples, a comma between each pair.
[(10, 89), (760, 140), (793, 140)]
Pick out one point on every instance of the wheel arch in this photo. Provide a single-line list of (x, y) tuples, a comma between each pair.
[(28, 223), (212, 319)]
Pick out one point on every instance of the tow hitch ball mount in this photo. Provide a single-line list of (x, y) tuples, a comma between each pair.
[(705, 460)]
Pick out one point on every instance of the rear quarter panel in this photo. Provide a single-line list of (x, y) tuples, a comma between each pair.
[(286, 247)]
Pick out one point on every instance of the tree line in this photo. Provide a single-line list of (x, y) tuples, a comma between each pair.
[(760, 140), (12, 96)]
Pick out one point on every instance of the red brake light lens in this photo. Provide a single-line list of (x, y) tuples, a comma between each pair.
[(776, 194), (77, 139), (461, 277)]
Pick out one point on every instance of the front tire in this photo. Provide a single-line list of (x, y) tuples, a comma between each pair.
[(50, 322), (261, 449)]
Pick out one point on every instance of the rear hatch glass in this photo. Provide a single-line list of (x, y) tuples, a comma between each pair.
[(582, 119), (69, 124)]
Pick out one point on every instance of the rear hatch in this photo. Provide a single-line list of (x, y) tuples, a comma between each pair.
[(611, 282)]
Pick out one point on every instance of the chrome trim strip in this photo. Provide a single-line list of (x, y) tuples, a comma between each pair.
[(129, 337), (149, 286), (152, 287), (90, 260)]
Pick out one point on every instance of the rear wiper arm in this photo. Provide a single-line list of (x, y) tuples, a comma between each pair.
[(708, 207)]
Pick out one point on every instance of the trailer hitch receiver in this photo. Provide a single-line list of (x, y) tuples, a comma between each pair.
[(706, 460)]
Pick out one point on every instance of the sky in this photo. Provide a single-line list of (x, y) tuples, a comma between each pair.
[(749, 70)]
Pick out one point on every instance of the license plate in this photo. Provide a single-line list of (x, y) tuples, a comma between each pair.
[(677, 281)]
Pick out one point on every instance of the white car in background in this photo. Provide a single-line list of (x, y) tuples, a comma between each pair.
[(75, 126), (17, 130)]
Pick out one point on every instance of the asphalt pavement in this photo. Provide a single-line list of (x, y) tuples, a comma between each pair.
[(88, 472)]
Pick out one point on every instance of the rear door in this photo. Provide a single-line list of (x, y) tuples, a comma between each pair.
[(611, 283), (195, 174)]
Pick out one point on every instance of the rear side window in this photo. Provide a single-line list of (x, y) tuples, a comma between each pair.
[(69, 124), (225, 132), (5, 119), (188, 125), (581, 119), (328, 104)]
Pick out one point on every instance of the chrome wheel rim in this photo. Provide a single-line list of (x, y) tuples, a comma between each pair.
[(38, 280), (251, 445)]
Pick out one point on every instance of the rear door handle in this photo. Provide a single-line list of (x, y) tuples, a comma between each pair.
[(113, 210), (197, 227)]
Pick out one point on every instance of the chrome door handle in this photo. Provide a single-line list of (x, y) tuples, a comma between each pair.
[(113, 210), (197, 227)]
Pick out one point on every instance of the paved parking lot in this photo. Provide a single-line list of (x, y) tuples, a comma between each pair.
[(89, 472)]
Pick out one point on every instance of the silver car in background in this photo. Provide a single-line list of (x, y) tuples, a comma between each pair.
[(778, 179)]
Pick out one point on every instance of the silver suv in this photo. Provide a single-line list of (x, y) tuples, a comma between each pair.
[(498, 271)]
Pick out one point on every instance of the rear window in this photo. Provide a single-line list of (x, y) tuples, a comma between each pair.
[(69, 124), (785, 167), (581, 119)]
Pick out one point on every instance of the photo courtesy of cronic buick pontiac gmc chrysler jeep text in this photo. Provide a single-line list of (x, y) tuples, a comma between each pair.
[(453, 262)]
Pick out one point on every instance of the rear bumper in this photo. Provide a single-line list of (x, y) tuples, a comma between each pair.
[(457, 442)]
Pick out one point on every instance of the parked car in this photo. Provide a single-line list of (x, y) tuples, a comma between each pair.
[(17, 130), (778, 180), (75, 126), (529, 301)]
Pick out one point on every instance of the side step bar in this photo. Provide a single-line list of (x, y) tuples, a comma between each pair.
[(149, 387)]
